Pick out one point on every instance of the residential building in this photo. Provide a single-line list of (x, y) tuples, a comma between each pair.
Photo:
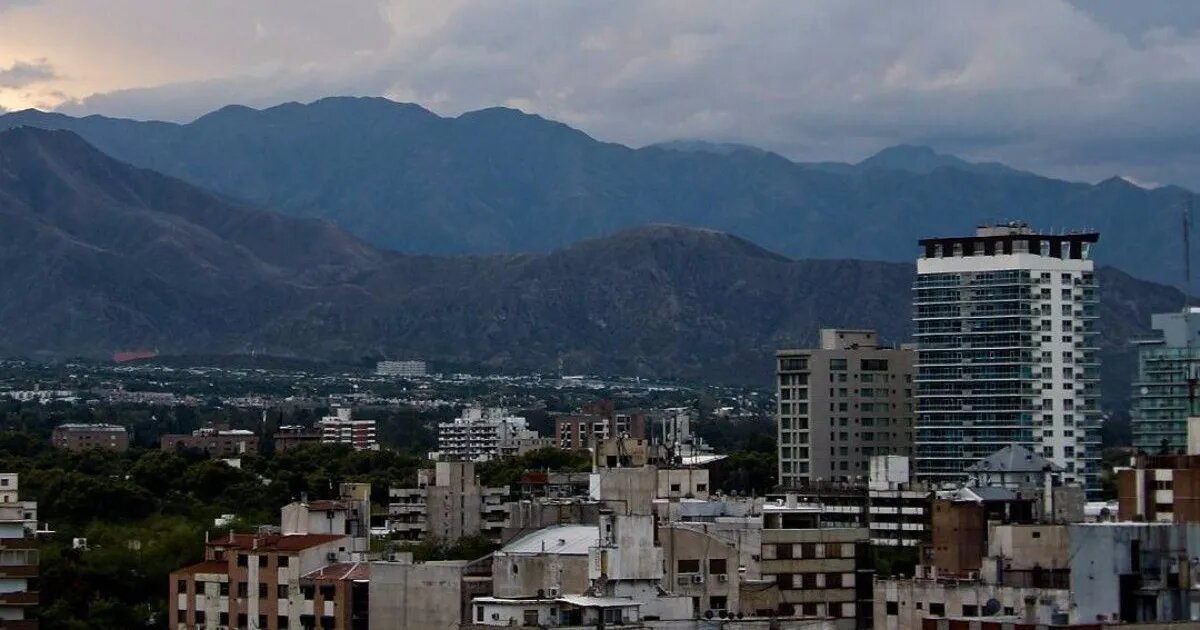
[(18, 557), (447, 504), (81, 437), (292, 436), (343, 428), (217, 442), (597, 422), (271, 581), (554, 485), (434, 595), (1005, 323), (481, 434), (348, 515), (702, 565), (401, 369), (1160, 489), (1164, 389), (818, 571), (839, 404)]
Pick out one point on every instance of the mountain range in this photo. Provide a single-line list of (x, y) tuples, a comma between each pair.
[(101, 255), (500, 181)]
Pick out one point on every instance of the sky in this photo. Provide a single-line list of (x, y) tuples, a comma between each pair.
[(1076, 89)]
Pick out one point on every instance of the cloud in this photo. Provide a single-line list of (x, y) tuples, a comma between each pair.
[(1075, 89), (25, 73)]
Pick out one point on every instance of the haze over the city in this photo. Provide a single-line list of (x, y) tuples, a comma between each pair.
[(1078, 90)]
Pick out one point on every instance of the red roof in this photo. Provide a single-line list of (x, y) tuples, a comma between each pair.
[(342, 571), (208, 566), (325, 505), (274, 542)]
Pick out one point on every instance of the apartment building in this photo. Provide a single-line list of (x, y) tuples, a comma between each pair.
[(19, 557), (480, 434), (1005, 323), (400, 369), (703, 565), (343, 428), (81, 437), (292, 436), (269, 581), (818, 571), (218, 442), (597, 422), (447, 504), (839, 405), (1162, 400)]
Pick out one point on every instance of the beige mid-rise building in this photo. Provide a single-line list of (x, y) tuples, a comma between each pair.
[(839, 405)]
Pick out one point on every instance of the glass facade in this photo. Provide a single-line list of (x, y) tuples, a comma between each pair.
[(1161, 404)]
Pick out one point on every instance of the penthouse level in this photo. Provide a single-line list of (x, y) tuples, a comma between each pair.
[(1013, 238)]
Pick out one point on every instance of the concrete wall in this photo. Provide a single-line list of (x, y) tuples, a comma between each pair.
[(683, 483), (415, 595), (540, 575), (626, 490), (914, 600), (682, 542), (1101, 553), (1028, 546)]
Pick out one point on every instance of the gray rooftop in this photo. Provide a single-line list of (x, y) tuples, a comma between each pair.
[(1013, 458), (568, 540)]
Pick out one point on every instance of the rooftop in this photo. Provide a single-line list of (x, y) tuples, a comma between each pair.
[(208, 566), (1013, 458), (569, 540), (274, 542), (356, 571)]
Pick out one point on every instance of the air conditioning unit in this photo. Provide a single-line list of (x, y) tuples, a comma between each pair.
[(722, 578), (331, 557), (697, 579), (554, 592)]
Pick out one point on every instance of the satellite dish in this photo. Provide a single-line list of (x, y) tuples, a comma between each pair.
[(991, 608)]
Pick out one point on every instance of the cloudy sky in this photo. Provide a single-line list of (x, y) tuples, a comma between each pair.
[(1077, 89)]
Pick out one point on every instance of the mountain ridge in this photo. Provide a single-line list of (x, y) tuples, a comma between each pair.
[(500, 180)]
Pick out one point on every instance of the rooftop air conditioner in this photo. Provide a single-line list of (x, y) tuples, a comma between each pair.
[(722, 578)]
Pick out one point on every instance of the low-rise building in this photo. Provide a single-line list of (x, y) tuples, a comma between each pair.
[(434, 595), (400, 369), (598, 422), (702, 565), (292, 436), (214, 441), (81, 437)]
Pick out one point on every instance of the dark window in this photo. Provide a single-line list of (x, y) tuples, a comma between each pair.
[(783, 552), (281, 622), (181, 586), (223, 619), (893, 608), (241, 620), (326, 623), (281, 561), (243, 589), (309, 591), (243, 560), (874, 365), (262, 621), (688, 566), (674, 487), (970, 610), (479, 613), (718, 603), (808, 580), (281, 591), (225, 589), (200, 618), (716, 566), (262, 560), (262, 590), (326, 592), (808, 610), (937, 609)]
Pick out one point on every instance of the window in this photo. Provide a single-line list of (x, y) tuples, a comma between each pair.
[(701, 487), (200, 618), (837, 364), (243, 560), (937, 609), (262, 590), (970, 610), (327, 623), (181, 586), (893, 608), (309, 591), (224, 589), (674, 487), (873, 365), (717, 566), (262, 560), (326, 592), (281, 591), (281, 561), (242, 620), (223, 619), (808, 580), (479, 613), (243, 589), (262, 621), (783, 552), (718, 603), (688, 566)]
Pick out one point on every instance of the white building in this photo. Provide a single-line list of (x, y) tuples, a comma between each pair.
[(481, 434), (401, 369), (342, 428), (18, 556), (1006, 331)]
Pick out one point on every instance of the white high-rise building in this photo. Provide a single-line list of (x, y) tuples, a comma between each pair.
[(481, 434), (343, 428), (1005, 323)]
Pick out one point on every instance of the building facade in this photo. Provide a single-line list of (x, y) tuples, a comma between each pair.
[(343, 428), (1005, 323), (400, 369), (448, 503), (18, 557), (480, 434), (840, 404), (216, 442), (1162, 400), (81, 437)]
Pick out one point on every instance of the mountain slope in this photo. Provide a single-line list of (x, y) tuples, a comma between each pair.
[(498, 180), (101, 256)]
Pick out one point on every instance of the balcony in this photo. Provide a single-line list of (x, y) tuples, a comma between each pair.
[(19, 598)]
